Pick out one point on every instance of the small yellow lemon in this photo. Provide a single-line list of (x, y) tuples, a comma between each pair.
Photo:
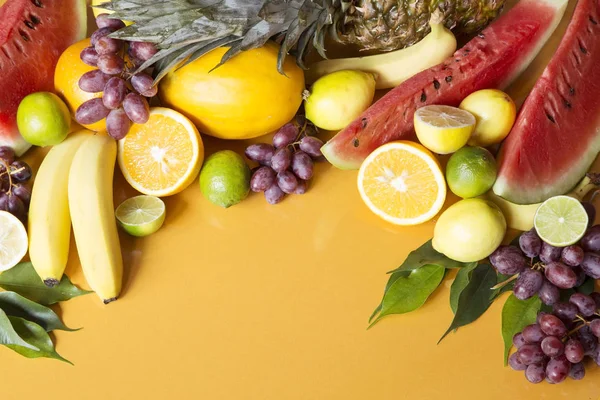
[(495, 113), (443, 129)]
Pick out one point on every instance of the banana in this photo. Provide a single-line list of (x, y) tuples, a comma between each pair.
[(93, 216), (395, 67), (49, 218)]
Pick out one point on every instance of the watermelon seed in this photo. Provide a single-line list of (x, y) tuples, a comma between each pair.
[(355, 142), (572, 91), (29, 24), (551, 118), (24, 35), (583, 50), (436, 84), (593, 21), (37, 3), (567, 104), (364, 122), (423, 97), (34, 19), (448, 79)]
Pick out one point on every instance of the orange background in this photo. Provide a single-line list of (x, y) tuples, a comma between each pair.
[(271, 302)]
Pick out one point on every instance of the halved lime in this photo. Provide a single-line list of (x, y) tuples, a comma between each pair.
[(561, 221), (141, 215), (13, 241)]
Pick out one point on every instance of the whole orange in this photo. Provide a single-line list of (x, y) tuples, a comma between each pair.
[(66, 81), (244, 98)]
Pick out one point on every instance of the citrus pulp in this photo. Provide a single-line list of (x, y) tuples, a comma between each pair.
[(443, 129)]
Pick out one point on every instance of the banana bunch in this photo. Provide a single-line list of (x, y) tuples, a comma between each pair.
[(74, 185), (395, 67)]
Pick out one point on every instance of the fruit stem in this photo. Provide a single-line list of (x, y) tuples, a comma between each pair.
[(572, 331), (506, 282), (7, 172)]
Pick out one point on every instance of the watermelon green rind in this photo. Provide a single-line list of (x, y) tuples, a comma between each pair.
[(493, 59), (557, 134)]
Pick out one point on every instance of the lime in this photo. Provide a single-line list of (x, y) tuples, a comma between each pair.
[(141, 215), (13, 241), (470, 230), (561, 221), (225, 178), (471, 172), (43, 119), (443, 129)]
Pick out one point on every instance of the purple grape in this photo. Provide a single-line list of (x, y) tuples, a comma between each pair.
[(106, 45), (91, 111), (587, 340), (93, 81), (551, 325), (530, 354), (581, 276), (560, 275), (262, 179), (591, 240), (549, 253), (552, 346), (286, 135), (3, 201), (287, 182), (548, 293), (572, 255), (89, 56), (102, 32), (596, 297), (137, 108), (558, 369), (539, 316), (515, 363), (7, 154), (574, 351), (110, 64), (117, 124), (577, 371), (530, 243), (528, 284), (535, 373), (591, 265), (281, 160), (104, 21), (595, 327), (114, 93), (302, 165), (144, 84), (4, 181), (533, 334), (585, 304), (22, 192), (591, 212), (274, 194), (565, 311), (16, 207), (508, 260), (518, 340), (311, 146), (20, 171), (302, 187), (261, 152), (142, 50)]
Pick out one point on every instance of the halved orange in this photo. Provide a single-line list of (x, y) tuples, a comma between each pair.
[(163, 156), (402, 182)]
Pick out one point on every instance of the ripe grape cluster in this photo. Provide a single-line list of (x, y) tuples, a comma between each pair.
[(287, 165), (124, 93), (556, 345), (14, 192)]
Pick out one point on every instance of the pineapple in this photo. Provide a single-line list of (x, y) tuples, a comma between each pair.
[(186, 29)]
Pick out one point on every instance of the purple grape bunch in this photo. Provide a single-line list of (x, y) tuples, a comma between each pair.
[(15, 174), (555, 346), (287, 165), (120, 105)]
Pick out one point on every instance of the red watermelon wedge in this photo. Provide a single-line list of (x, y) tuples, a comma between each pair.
[(33, 34), (557, 134), (491, 60)]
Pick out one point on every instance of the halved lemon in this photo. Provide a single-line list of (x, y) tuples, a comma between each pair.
[(13, 241), (443, 129), (402, 182), (163, 156)]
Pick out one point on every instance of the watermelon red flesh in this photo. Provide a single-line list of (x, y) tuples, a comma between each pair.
[(557, 134), (491, 60), (33, 34)]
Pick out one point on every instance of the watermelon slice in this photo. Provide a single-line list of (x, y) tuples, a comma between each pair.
[(491, 60), (557, 134), (33, 34)]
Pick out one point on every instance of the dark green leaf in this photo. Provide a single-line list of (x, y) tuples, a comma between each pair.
[(8, 335), (15, 305), (427, 255), (516, 315), (587, 287), (36, 336), (475, 298), (23, 280), (460, 282), (409, 293)]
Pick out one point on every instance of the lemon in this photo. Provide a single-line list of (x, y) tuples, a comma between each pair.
[(338, 98), (43, 119), (561, 221), (495, 113), (141, 215), (443, 129), (469, 230), (13, 241), (471, 172), (225, 178)]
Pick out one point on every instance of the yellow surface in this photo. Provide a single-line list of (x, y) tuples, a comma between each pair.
[(260, 302)]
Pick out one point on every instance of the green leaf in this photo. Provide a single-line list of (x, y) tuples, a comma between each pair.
[(36, 336), (15, 305), (460, 282), (427, 255), (8, 335), (475, 298), (587, 287), (23, 280), (409, 293), (516, 315)]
